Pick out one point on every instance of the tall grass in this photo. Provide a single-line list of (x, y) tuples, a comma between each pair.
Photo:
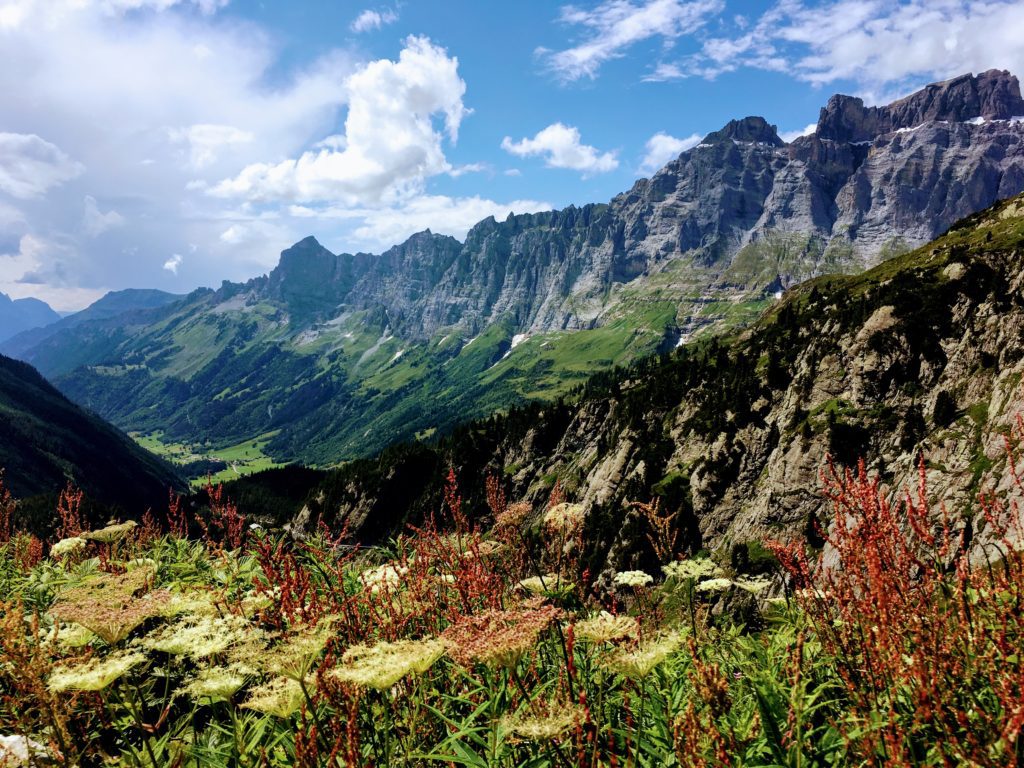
[(898, 644)]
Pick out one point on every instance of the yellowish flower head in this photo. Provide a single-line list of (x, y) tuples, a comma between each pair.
[(197, 637), (382, 665), (564, 517), (637, 663), (94, 675), (544, 721), (752, 585), (605, 628), (702, 568), (73, 636), (715, 585), (111, 533), (254, 602), (249, 655), (215, 683), (280, 697), (194, 602), (298, 653), (383, 577), (542, 585)]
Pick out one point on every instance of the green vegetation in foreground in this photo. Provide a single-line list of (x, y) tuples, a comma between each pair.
[(125, 646), (200, 464)]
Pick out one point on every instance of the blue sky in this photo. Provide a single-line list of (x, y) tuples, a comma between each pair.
[(176, 143)]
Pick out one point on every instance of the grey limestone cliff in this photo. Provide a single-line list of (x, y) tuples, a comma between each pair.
[(867, 177)]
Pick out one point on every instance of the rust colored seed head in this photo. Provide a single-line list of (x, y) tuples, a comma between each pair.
[(112, 605), (514, 515), (498, 638)]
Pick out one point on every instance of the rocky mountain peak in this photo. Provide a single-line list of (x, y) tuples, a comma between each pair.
[(305, 256), (749, 129), (991, 95), (307, 274)]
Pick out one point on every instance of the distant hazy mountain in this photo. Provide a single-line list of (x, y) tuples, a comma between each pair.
[(46, 440), (113, 304), (21, 314), (333, 356)]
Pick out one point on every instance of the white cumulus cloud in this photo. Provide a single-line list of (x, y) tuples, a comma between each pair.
[(370, 19), (172, 264), (205, 141), (561, 147), (807, 130), (391, 144), (381, 227), (45, 268), (661, 148), (29, 165), (887, 47), (173, 93)]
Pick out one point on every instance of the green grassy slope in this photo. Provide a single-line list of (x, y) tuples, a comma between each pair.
[(46, 440)]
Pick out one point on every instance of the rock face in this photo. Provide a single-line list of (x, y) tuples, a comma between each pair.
[(868, 177), (921, 356), (992, 95)]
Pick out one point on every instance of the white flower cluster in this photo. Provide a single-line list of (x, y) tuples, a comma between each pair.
[(66, 547), (714, 585), (633, 579), (700, 568)]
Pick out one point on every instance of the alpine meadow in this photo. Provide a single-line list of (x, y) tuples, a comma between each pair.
[(341, 428)]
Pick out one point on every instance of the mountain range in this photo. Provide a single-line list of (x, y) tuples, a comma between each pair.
[(335, 356)]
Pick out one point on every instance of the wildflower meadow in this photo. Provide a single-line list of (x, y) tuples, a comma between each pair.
[(209, 642)]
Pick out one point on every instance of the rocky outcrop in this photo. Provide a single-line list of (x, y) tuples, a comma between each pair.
[(867, 179), (749, 129), (992, 95)]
